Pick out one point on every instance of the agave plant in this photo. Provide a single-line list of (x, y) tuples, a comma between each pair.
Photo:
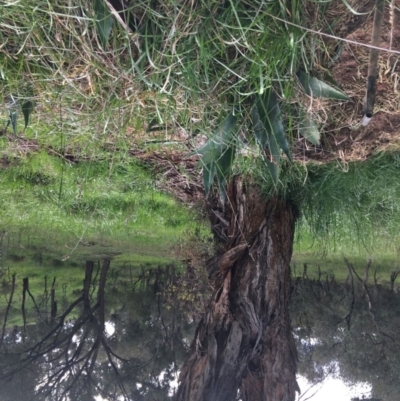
[(218, 153), (13, 104)]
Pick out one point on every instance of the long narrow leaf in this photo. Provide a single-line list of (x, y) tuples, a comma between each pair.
[(27, 109), (273, 169), (223, 170), (13, 120), (260, 132), (316, 88), (264, 139), (352, 9), (221, 139), (104, 21), (208, 176), (309, 130), (217, 156), (268, 127)]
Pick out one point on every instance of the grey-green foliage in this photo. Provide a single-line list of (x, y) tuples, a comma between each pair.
[(217, 155), (104, 21), (319, 89), (308, 128), (13, 111), (269, 131)]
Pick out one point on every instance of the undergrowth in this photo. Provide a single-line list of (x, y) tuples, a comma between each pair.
[(351, 209)]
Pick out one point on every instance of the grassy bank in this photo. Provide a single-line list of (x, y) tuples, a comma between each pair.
[(82, 209), (56, 214)]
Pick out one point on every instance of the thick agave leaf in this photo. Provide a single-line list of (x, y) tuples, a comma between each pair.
[(104, 21), (268, 127), (316, 88), (264, 139), (217, 156), (27, 109), (223, 170), (215, 146), (13, 114), (208, 176), (273, 169), (309, 130)]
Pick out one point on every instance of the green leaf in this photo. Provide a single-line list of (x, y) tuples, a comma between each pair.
[(264, 139), (268, 127), (104, 21), (27, 109), (309, 130), (221, 139), (273, 169), (217, 156), (260, 132), (223, 169), (316, 88), (208, 176), (13, 120)]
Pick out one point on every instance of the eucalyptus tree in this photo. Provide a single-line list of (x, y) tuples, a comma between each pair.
[(244, 341)]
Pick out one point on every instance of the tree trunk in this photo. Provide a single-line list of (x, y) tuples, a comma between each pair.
[(244, 340)]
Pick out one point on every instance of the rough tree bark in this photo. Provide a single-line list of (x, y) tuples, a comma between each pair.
[(244, 340)]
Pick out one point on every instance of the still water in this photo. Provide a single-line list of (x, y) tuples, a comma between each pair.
[(110, 332)]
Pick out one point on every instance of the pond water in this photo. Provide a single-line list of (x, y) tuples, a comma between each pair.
[(113, 333)]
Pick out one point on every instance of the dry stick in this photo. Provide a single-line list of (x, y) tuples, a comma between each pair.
[(53, 305), (366, 271), (369, 100), (46, 295), (8, 307), (391, 20)]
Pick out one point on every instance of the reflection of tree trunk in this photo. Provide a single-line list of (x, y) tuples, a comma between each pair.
[(244, 339), (86, 285), (53, 303), (393, 277), (24, 289), (8, 307)]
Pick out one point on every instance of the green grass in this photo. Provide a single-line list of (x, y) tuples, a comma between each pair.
[(55, 215), (184, 65), (356, 208), (107, 205)]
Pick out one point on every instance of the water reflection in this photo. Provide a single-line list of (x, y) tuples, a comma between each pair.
[(348, 331), (124, 336)]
